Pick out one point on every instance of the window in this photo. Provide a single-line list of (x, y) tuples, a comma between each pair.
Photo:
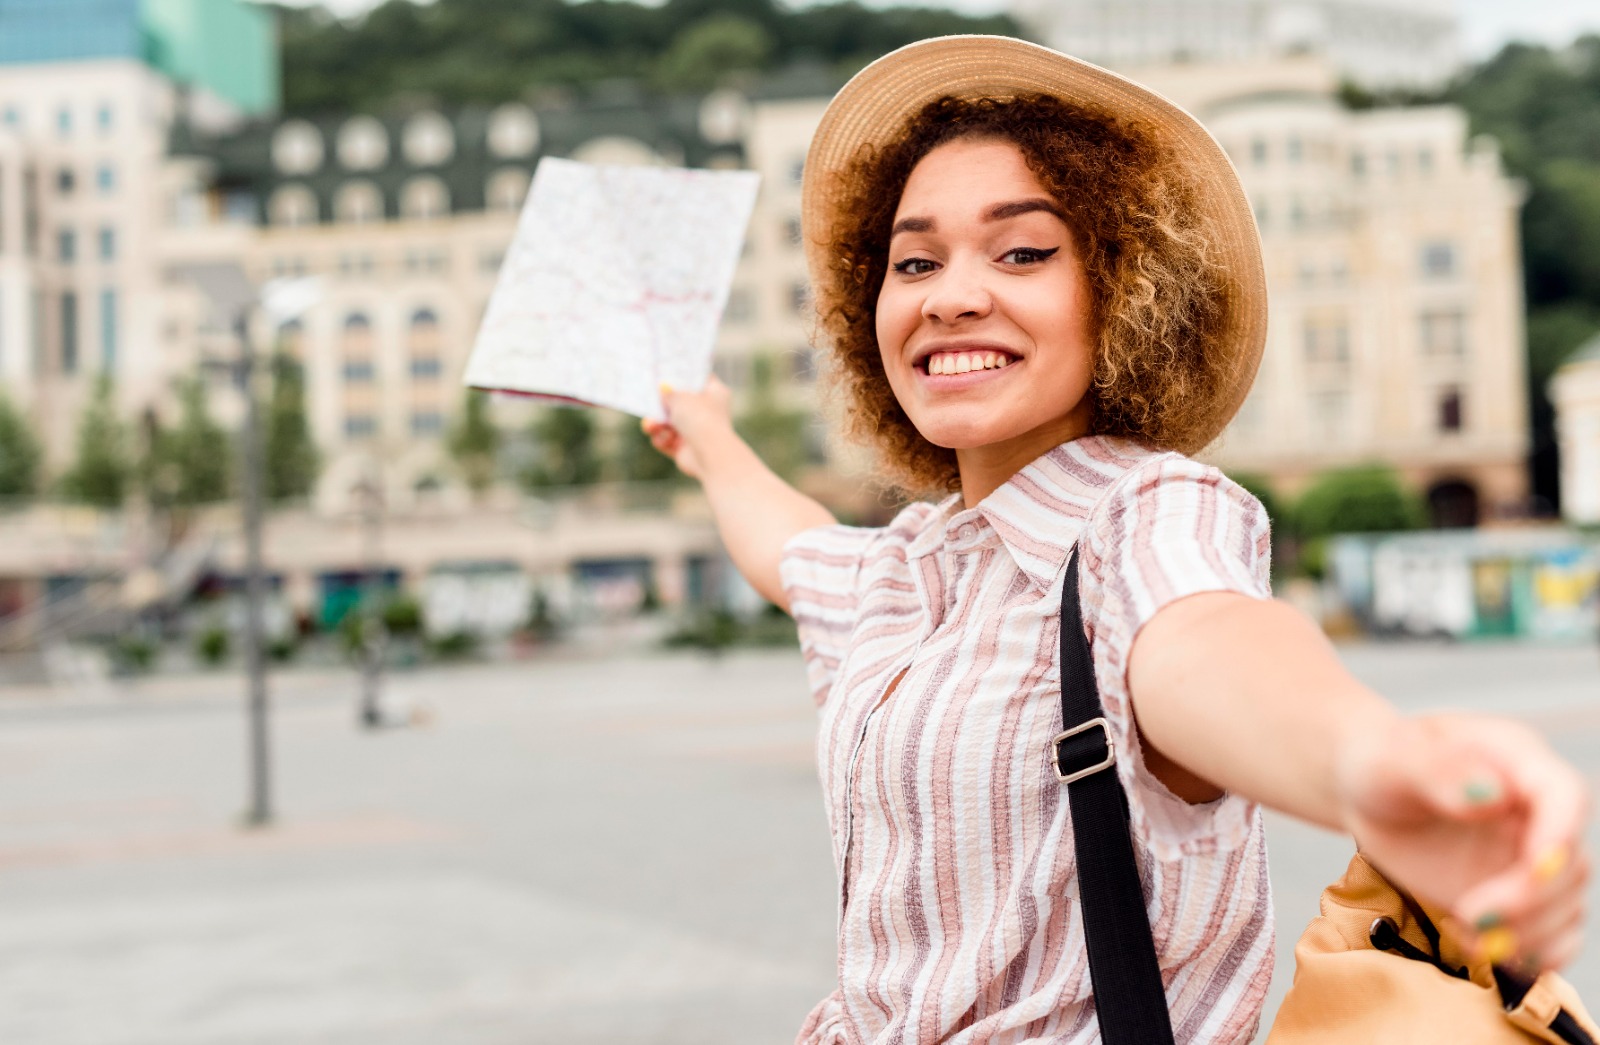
[(799, 297), (105, 178), (1438, 260), (1358, 163), (104, 117), (797, 170), (426, 369), (108, 331), (428, 140), (427, 422), (424, 199), (741, 306), (358, 371), (292, 206), (297, 148), (1298, 216), (1449, 417), (358, 203), (1327, 338), (513, 131), (67, 246), (1258, 151), (1330, 411), (69, 333), (11, 116), (1425, 160), (108, 244), (424, 346), (490, 260), (793, 231), (1444, 333), (360, 426), (1296, 150), (64, 121), (66, 181), (363, 144), (507, 189)]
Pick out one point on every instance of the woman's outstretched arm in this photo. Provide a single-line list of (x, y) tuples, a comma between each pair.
[(756, 512), (1472, 812)]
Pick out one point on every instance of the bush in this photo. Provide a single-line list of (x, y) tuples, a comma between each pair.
[(403, 616), (212, 646), (132, 654), (282, 651), (455, 646), (1368, 499)]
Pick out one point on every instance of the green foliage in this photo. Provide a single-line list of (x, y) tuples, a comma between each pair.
[(638, 460), (101, 470), (402, 615), (776, 434), (191, 464), (212, 646), (710, 50), (290, 460), (563, 440), (1365, 499), (497, 50), (133, 654), (475, 441), (20, 453), (455, 646)]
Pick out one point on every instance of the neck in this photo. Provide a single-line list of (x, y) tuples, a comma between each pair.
[(984, 469)]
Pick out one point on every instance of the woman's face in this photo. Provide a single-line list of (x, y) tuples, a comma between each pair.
[(984, 317)]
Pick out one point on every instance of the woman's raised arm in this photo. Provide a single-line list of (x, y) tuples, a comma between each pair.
[(1473, 812), (756, 512)]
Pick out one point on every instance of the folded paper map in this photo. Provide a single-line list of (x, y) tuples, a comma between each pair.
[(614, 284)]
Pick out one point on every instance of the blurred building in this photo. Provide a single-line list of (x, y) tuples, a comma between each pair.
[(1378, 44), (1391, 245), (1575, 393)]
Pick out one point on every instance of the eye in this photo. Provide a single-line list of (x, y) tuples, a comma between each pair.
[(1028, 255), (914, 267)]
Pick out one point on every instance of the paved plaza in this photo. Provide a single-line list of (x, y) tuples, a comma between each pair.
[(569, 850)]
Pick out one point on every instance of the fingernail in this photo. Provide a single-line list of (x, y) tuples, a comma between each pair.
[(1497, 945), (1486, 921), (666, 389), (1481, 791), (1552, 863)]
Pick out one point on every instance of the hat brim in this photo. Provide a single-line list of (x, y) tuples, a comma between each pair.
[(874, 107)]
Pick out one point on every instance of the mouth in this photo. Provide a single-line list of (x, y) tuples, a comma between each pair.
[(964, 360)]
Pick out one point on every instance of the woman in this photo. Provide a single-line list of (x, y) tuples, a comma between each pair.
[(1041, 285)]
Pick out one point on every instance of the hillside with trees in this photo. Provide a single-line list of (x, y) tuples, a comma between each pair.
[(497, 50)]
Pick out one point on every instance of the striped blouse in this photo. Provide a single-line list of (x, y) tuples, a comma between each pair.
[(958, 919)]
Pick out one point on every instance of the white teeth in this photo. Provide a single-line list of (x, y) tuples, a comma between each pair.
[(989, 360), (965, 362), (936, 365), (1002, 361)]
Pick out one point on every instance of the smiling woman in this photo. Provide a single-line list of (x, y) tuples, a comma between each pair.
[(1042, 286), (1155, 297)]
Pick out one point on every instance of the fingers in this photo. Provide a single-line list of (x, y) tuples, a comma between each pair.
[(1545, 931)]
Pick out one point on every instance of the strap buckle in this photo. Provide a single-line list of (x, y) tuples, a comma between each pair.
[(1058, 756)]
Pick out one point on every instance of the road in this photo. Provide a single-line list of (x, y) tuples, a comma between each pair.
[(570, 850)]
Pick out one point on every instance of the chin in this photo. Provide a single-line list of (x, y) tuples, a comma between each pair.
[(964, 433)]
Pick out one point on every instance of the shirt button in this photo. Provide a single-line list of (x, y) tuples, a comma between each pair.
[(968, 532)]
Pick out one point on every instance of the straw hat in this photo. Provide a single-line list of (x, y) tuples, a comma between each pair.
[(874, 107)]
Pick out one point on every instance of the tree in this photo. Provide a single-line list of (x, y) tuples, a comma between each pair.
[(291, 460), (191, 464), (776, 434), (703, 54), (101, 469), (637, 458), (1365, 499), (564, 448), (20, 454), (475, 441)]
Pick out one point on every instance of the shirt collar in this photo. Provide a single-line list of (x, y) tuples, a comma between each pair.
[(1039, 512)]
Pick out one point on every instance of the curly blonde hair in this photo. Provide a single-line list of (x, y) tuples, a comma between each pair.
[(1160, 300)]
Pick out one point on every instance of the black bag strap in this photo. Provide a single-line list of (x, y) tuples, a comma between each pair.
[(1130, 1001)]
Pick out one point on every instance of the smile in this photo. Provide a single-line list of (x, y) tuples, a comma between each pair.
[(942, 363)]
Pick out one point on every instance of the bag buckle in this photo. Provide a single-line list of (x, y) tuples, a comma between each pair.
[(1061, 757)]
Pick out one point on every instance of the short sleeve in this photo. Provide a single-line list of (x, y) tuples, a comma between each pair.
[(821, 573), (1168, 529)]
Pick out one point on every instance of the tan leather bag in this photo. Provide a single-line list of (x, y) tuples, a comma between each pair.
[(1378, 967)]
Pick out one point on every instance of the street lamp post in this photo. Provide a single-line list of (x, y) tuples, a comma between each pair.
[(373, 636)]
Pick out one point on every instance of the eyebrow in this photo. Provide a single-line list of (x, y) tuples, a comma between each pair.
[(998, 212)]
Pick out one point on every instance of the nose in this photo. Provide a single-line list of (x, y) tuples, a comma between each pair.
[(958, 291)]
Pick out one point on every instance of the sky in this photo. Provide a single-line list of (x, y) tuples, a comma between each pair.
[(1485, 24)]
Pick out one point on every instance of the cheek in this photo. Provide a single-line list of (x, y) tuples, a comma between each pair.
[(894, 318)]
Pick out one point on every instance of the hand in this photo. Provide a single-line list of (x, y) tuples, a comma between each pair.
[(1479, 816), (692, 419)]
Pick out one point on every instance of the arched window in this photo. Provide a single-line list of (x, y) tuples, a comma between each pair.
[(507, 188), (297, 148), (363, 144), (358, 203), (292, 206), (424, 198), (292, 339), (617, 150), (513, 131), (425, 349), (428, 140)]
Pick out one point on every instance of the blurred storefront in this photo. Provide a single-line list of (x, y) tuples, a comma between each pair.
[(1541, 584)]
